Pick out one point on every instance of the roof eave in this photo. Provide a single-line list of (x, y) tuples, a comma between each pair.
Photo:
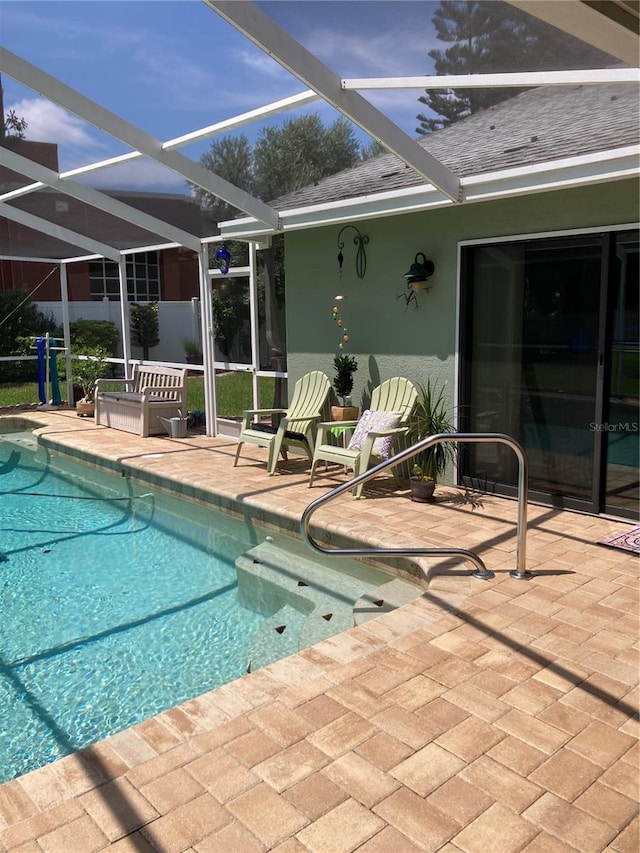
[(595, 168)]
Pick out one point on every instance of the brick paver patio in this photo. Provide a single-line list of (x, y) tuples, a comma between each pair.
[(484, 717)]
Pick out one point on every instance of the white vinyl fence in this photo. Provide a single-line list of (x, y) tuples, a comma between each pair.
[(178, 321)]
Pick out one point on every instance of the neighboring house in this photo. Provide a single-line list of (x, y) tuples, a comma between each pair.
[(164, 275), (531, 315), (168, 276)]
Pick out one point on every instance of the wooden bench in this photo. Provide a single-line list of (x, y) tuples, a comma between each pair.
[(151, 394)]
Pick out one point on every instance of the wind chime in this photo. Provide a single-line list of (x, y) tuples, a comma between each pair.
[(340, 324)]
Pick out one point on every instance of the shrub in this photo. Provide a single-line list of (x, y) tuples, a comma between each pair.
[(20, 320), (84, 372), (88, 334)]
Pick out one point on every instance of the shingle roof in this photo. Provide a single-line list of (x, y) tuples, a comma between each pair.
[(540, 125)]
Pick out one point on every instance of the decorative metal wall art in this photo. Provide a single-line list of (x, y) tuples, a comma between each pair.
[(360, 240)]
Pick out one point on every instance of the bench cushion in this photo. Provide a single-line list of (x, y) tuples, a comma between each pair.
[(288, 433)]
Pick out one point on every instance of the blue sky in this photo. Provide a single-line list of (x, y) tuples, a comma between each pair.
[(172, 67)]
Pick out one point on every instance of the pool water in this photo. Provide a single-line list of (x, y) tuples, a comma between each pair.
[(117, 602)]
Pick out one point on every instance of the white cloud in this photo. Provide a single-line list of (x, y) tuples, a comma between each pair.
[(262, 63), (47, 122), (144, 175), (391, 53), (399, 105)]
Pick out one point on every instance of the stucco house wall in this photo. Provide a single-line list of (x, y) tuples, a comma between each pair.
[(386, 338)]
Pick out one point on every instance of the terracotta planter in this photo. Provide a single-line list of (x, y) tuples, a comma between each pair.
[(344, 413), (422, 490)]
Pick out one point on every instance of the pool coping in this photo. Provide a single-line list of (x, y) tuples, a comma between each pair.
[(499, 714)]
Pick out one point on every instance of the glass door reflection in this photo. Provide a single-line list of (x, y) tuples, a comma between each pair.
[(621, 421)]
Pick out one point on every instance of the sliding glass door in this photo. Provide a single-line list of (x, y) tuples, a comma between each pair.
[(545, 326)]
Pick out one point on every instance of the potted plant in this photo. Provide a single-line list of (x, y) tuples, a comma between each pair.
[(84, 373), (345, 366), (430, 417)]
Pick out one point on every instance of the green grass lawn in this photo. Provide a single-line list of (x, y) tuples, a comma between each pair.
[(233, 393)]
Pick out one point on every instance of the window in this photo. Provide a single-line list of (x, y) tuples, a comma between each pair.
[(143, 278)]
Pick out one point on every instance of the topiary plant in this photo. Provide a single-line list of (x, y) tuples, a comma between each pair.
[(345, 366), (145, 329)]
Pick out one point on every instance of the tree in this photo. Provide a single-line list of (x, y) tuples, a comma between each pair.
[(282, 159), (144, 327), (230, 317), (488, 37), (300, 152), (373, 149), (11, 127), (231, 158)]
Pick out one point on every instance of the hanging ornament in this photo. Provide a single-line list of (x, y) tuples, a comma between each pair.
[(223, 257)]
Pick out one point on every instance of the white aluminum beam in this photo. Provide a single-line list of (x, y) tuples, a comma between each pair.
[(156, 247), (75, 259), (56, 91), (499, 81), (586, 23), (243, 119), (196, 135), (94, 198), (57, 231), (29, 260), (263, 32)]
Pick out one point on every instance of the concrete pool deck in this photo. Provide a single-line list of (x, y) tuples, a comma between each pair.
[(490, 716)]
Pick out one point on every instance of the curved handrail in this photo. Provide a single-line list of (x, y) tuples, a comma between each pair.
[(520, 571)]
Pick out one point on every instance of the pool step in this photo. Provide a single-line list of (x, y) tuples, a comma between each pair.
[(269, 576), (383, 599), (276, 638), (307, 602)]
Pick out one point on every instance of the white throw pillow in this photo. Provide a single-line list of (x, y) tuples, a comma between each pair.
[(374, 421)]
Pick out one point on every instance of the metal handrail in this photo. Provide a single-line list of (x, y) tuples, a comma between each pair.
[(482, 572)]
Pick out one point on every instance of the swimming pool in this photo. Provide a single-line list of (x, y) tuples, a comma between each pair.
[(119, 602)]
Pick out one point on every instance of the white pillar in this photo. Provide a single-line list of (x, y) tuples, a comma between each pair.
[(64, 293), (255, 332), (195, 319), (208, 343), (124, 317)]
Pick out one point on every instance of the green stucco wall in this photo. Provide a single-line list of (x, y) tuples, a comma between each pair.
[(387, 339)]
